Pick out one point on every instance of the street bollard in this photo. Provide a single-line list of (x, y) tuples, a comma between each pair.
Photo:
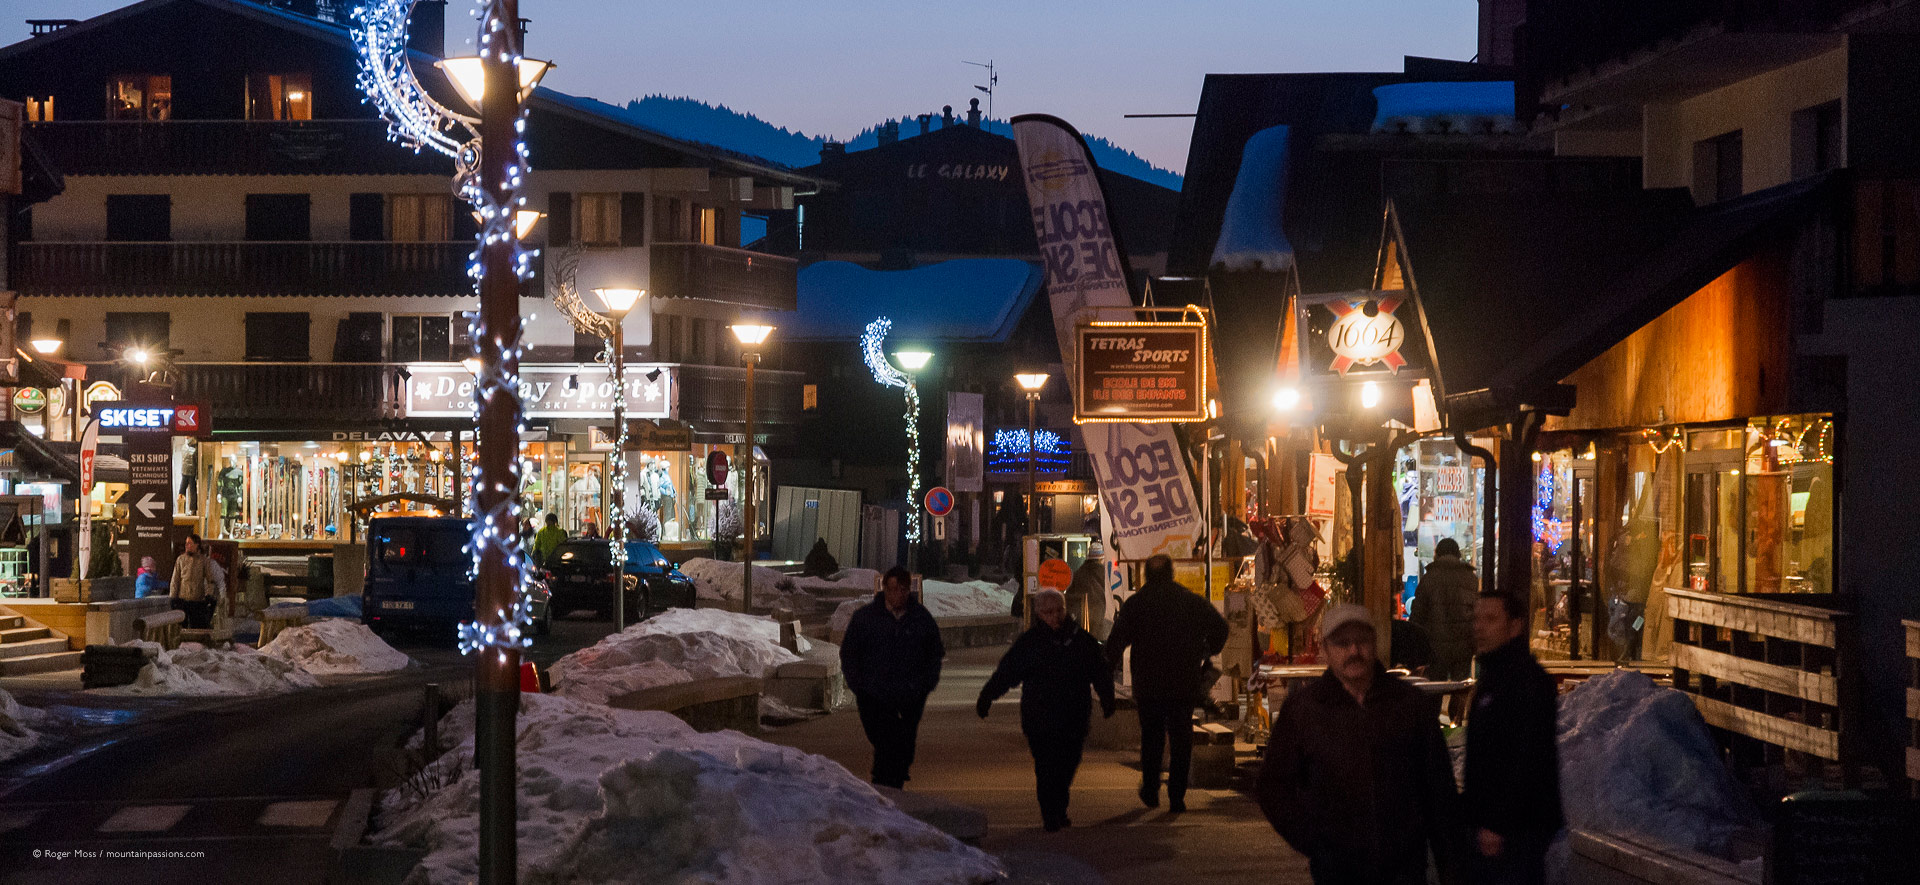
[(430, 714)]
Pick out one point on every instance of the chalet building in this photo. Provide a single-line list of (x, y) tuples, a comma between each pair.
[(234, 212)]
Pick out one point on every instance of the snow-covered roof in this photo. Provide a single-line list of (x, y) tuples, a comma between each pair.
[(1251, 235), (965, 299)]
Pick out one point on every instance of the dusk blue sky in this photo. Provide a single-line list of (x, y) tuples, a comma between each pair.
[(838, 66)]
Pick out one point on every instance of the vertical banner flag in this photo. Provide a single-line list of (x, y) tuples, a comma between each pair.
[(966, 441), (1146, 495)]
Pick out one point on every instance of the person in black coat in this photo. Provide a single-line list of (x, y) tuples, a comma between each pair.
[(1057, 662), (1357, 776), (891, 658), (1172, 633), (1512, 799)]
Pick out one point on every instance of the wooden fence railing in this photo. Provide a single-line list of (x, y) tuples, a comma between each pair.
[(1776, 668)]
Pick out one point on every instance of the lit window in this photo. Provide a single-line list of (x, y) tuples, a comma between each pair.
[(280, 97), (705, 224), (40, 109), (419, 218), (599, 219), (138, 97)]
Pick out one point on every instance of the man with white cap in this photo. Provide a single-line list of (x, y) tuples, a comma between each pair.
[(1357, 777)]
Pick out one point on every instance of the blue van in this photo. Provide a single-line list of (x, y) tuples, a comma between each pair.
[(417, 575)]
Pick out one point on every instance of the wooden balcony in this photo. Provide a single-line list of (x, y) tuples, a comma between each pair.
[(249, 268), (730, 276), (229, 147), (259, 395), (713, 400)]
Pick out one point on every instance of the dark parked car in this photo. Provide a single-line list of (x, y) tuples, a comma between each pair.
[(580, 574), (418, 576)]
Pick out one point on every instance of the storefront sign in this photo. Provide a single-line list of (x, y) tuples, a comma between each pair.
[(101, 391), (192, 419), (1363, 332), (149, 497), (1064, 487), (1141, 372), (1148, 500), (1322, 482), (966, 441), (665, 436), (133, 419), (572, 391), (29, 400)]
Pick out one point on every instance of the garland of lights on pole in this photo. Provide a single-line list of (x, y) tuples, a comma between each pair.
[(872, 350), (416, 120)]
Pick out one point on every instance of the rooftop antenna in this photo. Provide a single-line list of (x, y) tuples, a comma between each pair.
[(993, 80)]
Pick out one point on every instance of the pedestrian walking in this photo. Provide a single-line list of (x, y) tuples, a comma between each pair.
[(891, 657), (1356, 776), (1443, 606), (1512, 797), (1055, 662), (548, 540), (1172, 633), (197, 584)]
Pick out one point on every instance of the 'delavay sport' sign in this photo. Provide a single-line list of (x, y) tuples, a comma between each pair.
[(1141, 372), (438, 390)]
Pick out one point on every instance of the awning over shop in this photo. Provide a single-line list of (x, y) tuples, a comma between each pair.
[(1521, 291), (33, 456), (966, 299)]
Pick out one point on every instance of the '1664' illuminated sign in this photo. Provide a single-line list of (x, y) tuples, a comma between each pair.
[(1361, 333)]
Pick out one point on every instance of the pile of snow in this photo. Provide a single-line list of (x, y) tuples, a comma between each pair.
[(845, 582), (720, 581), (971, 599), (609, 796), (1636, 759), (335, 646), (679, 645), (195, 670), (16, 726)]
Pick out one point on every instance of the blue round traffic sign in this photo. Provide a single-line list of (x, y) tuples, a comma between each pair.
[(939, 501)]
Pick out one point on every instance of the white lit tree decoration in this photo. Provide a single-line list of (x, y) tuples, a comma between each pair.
[(873, 350)]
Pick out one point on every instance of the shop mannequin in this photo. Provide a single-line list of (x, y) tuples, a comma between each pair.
[(230, 484)]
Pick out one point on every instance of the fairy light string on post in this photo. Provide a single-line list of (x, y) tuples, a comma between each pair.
[(873, 351)]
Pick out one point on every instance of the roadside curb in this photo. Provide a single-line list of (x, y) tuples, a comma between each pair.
[(350, 862)]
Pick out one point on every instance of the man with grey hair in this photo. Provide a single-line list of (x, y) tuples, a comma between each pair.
[(1172, 633), (1056, 661)]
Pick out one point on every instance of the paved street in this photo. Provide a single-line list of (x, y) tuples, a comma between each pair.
[(1222, 837)]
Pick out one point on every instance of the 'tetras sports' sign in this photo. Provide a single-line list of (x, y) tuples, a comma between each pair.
[(1141, 372), (1145, 493)]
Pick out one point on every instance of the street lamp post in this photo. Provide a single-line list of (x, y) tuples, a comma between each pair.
[(750, 336), (912, 361), (619, 302), (1031, 382)]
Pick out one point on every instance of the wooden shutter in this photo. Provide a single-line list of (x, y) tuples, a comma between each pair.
[(559, 219), (366, 216), (633, 219)]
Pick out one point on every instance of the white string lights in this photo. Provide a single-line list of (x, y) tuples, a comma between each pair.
[(872, 349), (415, 120)]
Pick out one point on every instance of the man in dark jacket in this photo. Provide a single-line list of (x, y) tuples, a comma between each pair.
[(891, 657), (1356, 775), (1172, 633), (1512, 799), (1057, 662), (1443, 606)]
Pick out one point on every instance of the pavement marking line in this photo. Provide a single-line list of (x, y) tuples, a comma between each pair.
[(310, 814), (144, 819), (19, 818)]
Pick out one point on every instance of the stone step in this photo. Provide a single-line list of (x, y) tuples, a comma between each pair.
[(47, 663), (32, 647), (11, 622), (23, 634)]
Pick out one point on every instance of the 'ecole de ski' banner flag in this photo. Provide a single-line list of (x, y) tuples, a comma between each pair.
[(1144, 489)]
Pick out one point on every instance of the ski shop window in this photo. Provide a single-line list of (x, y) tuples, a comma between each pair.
[(419, 218), (140, 97), (599, 221), (278, 337), (422, 339), (145, 329), (280, 96)]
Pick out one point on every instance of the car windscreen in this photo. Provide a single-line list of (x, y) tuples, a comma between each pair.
[(438, 548), (394, 547), (588, 554)]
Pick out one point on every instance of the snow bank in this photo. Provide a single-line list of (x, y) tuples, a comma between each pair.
[(719, 581), (200, 671), (843, 615), (1636, 759), (679, 645), (971, 599), (335, 646), (614, 796), (845, 582), (16, 726)]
